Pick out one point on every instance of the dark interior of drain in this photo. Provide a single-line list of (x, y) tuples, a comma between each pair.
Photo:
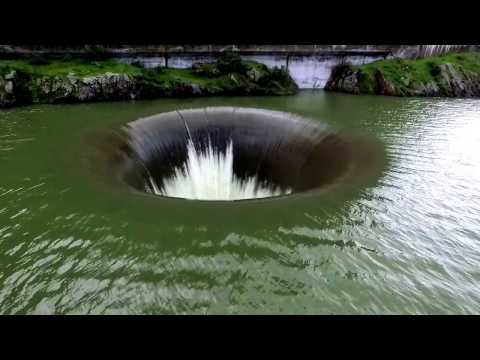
[(281, 149)]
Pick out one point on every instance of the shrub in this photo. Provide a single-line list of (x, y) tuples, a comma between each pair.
[(433, 69), (277, 75), (230, 62), (207, 70)]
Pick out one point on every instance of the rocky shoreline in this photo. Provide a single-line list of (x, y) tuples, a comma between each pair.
[(23, 83), (454, 75)]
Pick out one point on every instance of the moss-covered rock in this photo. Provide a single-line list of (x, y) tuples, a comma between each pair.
[(453, 75), (24, 82), (14, 88), (345, 78)]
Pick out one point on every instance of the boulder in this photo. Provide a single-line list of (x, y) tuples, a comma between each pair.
[(7, 97), (254, 74), (9, 87), (383, 86), (196, 90), (344, 79)]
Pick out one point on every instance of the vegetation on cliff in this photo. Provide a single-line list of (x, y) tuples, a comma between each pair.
[(451, 75), (40, 80)]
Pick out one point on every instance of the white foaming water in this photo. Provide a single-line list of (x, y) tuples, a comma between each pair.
[(209, 176), (431, 50)]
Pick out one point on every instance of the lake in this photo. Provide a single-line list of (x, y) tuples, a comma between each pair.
[(407, 241)]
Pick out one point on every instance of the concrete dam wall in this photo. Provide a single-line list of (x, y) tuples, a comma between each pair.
[(308, 70), (309, 65)]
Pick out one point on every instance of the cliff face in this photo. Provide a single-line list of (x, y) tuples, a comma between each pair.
[(448, 76), (60, 82)]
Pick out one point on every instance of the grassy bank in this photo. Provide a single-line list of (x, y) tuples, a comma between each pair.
[(82, 68), (402, 73), (41, 80), (443, 75)]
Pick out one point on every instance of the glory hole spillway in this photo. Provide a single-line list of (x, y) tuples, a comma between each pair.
[(230, 154)]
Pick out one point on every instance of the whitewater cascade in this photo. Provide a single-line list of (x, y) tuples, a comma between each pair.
[(209, 175), (431, 50)]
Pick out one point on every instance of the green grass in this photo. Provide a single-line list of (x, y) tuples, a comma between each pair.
[(166, 78), (59, 68), (181, 75), (404, 72), (82, 68)]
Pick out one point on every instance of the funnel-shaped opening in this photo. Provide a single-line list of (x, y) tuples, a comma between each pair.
[(226, 153)]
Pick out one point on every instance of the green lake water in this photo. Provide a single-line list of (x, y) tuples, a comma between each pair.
[(405, 241)]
